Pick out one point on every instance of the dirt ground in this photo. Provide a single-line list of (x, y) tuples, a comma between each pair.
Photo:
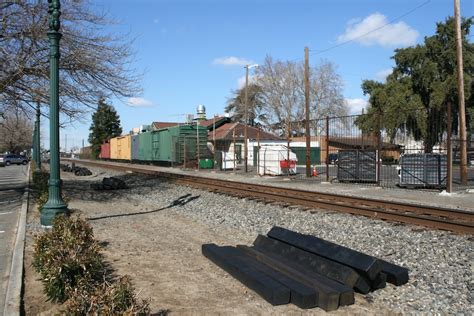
[(161, 251)]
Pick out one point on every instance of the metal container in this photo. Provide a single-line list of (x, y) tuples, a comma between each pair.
[(135, 147), (357, 166), (105, 150), (144, 146), (423, 170), (120, 148)]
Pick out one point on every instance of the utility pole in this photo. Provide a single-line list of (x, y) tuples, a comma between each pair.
[(55, 205), (306, 97), (246, 115), (462, 111)]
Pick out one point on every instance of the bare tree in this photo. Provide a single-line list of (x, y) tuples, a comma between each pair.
[(282, 90), (92, 65), (15, 132)]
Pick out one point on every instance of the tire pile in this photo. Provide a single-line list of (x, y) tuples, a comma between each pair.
[(78, 171), (111, 183), (288, 267)]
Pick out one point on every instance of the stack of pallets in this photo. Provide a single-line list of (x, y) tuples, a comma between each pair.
[(288, 267)]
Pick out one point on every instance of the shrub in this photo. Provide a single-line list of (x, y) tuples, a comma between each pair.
[(66, 256), (43, 198), (107, 299), (40, 181)]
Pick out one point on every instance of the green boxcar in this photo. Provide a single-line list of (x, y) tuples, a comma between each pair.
[(167, 145), (144, 146)]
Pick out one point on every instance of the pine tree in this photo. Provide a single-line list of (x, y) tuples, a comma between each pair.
[(105, 125)]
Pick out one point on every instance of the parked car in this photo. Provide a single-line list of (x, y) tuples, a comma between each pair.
[(14, 159), (2, 164)]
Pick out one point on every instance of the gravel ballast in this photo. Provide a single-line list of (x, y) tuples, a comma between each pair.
[(441, 263)]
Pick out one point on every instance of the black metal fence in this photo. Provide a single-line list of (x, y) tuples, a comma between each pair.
[(368, 150)]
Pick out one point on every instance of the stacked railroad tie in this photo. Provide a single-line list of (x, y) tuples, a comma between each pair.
[(288, 267)]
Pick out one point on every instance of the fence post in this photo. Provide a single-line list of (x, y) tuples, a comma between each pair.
[(449, 171), (379, 146), (327, 148)]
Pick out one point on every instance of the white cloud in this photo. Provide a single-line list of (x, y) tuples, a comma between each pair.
[(356, 105), (375, 29), (139, 102), (231, 61), (383, 74), (156, 20)]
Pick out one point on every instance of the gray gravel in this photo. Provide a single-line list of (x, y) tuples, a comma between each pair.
[(441, 264)]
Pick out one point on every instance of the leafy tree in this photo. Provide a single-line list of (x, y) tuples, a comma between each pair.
[(93, 63), (105, 125), (236, 105), (423, 83)]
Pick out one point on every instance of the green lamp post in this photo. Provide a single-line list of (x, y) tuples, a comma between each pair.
[(55, 205), (37, 140)]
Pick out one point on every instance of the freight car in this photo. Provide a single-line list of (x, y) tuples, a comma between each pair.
[(167, 146), (120, 148)]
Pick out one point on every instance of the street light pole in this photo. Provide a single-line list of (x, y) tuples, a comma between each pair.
[(246, 114), (38, 138), (55, 204)]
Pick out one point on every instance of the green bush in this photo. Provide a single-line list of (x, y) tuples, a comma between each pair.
[(40, 181), (66, 256), (107, 299)]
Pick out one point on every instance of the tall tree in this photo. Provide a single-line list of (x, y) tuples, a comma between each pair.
[(236, 105), (105, 125), (282, 93), (15, 132), (92, 64), (423, 82)]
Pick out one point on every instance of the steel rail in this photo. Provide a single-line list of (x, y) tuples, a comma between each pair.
[(456, 220)]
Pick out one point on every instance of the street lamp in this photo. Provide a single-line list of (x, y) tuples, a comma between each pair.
[(55, 204), (247, 67)]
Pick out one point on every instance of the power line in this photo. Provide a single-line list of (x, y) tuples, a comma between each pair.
[(365, 34), (374, 30)]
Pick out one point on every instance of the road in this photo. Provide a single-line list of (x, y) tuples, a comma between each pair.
[(12, 185)]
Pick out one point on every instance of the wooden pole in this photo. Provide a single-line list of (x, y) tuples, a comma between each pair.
[(327, 148), (214, 138), (306, 97), (449, 175), (462, 112), (197, 144), (235, 151)]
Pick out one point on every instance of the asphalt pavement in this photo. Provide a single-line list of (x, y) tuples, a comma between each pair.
[(12, 185)]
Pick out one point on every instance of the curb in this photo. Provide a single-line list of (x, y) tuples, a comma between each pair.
[(15, 282)]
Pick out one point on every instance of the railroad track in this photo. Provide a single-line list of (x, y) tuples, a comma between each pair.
[(456, 220)]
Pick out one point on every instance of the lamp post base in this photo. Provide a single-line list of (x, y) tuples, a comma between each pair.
[(49, 212)]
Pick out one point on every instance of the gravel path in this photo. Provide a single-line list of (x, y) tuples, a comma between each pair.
[(441, 264)]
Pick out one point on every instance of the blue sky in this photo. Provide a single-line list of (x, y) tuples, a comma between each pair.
[(193, 52)]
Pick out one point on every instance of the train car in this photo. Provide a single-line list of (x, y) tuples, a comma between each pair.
[(174, 145), (135, 147), (144, 147), (105, 150), (120, 148), (167, 146)]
